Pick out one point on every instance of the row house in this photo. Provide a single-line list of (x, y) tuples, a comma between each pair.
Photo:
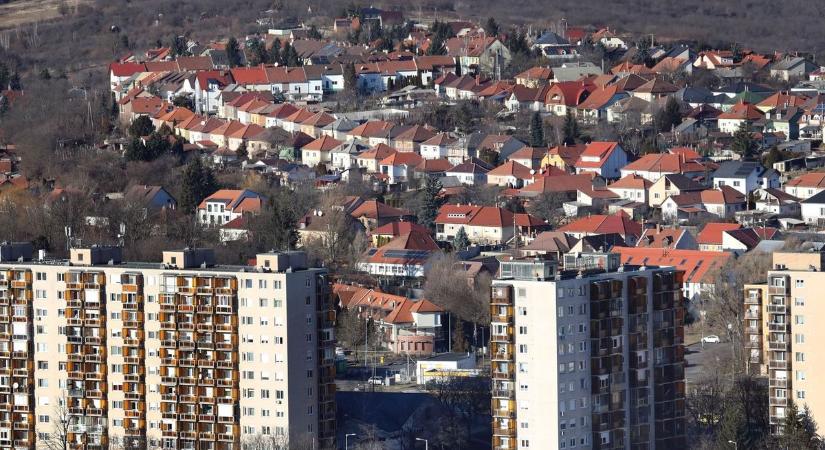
[(655, 165), (485, 225), (723, 203)]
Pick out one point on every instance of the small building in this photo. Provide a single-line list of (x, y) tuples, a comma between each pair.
[(446, 365)]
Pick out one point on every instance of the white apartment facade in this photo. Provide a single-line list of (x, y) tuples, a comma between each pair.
[(556, 333)]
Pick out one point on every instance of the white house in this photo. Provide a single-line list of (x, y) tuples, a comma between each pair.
[(227, 205), (603, 158), (813, 209), (745, 176)]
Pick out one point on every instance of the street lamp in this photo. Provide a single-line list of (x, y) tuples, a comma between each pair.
[(426, 443), (735, 445), (346, 440)]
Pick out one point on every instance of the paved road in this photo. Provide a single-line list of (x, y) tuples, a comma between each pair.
[(701, 361)]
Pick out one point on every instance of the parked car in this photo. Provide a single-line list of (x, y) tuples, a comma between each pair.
[(711, 339), (376, 380)]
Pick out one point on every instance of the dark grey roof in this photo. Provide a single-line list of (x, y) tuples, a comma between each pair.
[(694, 95), (737, 169), (683, 183), (818, 199), (551, 38), (739, 87)]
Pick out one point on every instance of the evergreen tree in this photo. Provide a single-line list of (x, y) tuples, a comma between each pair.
[(135, 150), (142, 126), (431, 203), (571, 129), (461, 241), (242, 151), (670, 115), (233, 53), (197, 184), (536, 131), (178, 47), (459, 338), (257, 52), (5, 77), (743, 142), (4, 105), (491, 27), (799, 430), (275, 53), (350, 78), (290, 56), (14, 82)]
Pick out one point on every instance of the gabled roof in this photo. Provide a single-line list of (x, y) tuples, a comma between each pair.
[(373, 209), (398, 228), (682, 182), (434, 165), (319, 120), (661, 237), (379, 152), (236, 200), (527, 152), (816, 199), (631, 181), (126, 69), (408, 159), (469, 166), (568, 93), (697, 265), (665, 162), (557, 183), (599, 98), (725, 195), (711, 234), (551, 242), (742, 111), (812, 180), (484, 216), (512, 168), (619, 223), (537, 73), (440, 139), (324, 143), (657, 86), (746, 236), (416, 133), (737, 169), (413, 248)]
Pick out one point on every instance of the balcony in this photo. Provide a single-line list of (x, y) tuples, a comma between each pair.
[(504, 393)]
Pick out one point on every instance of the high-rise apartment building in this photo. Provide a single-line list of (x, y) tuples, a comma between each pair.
[(782, 332), (587, 354), (182, 354)]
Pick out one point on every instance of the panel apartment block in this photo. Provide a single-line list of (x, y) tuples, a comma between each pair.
[(587, 354), (181, 354)]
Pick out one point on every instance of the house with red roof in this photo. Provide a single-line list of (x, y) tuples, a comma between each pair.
[(409, 326), (563, 157), (602, 158), (510, 174), (410, 140), (806, 185), (594, 107), (437, 146), (722, 203), (631, 187), (653, 166), (399, 167), (226, 205), (711, 236), (387, 232), (208, 87), (319, 150), (369, 160), (619, 223), (485, 225), (741, 113), (405, 256), (535, 77), (122, 71), (529, 157), (699, 267), (373, 214), (566, 95)]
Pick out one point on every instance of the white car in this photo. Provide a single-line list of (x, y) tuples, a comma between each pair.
[(711, 339), (376, 380)]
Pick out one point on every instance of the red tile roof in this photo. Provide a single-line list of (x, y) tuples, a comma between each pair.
[(711, 234), (698, 266), (399, 228), (813, 180), (484, 216), (742, 111), (631, 181), (619, 223), (512, 168), (324, 143), (373, 209)]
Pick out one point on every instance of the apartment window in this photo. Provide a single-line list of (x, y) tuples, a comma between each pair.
[(799, 338), (278, 303), (152, 316), (248, 284), (799, 320), (561, 311), (248, 411), (800, 394), (279, 340), (117, 368), (249, 393), (61, 276), (261, 284), (522, 367), (42, 365), (279, 395), (798, 301), (276, 284), (525, 443), (248, 375), (42, 382), (800, 375), (800, 283), (264, 321), (800, 357), (522, 330), (264, 393), (582, 346), (522, 311), (522, 348), (246, 320), (42, 347)]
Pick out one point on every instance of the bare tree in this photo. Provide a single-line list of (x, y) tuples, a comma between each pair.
[(58, 438), (548, 206), (724, 304), (466, 400)]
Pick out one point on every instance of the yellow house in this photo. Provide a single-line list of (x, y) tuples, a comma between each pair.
[(562, 157)]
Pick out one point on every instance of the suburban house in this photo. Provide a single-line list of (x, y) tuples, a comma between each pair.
[(437, 146), (563, 157), (479, 54), (472, 171), (399, 167), (813, 209), (405, 256), (723, 203), (369, 159), (792, 67), (653, 166), (529, 157), (632, 187), (150, 198), (776, 201), (710, 238), (671, 185), (510, 174), (620, 224), (484, 224), (373, 214), (566, 96), (319, 151), (227, 205), (806, 185), (745, 176), (602, 158), (740, 114)]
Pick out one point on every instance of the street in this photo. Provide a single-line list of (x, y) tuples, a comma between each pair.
[(700, 362)]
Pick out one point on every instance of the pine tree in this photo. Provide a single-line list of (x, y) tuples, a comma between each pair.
[(142, 126), (461, 241), (350, 78), (798, 429), (290, 56), (536, 131), (432, 202), (275, 53), (743, 142), (198, 182), (491, 27), (571, 129), (670, 115), (233, 52)]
